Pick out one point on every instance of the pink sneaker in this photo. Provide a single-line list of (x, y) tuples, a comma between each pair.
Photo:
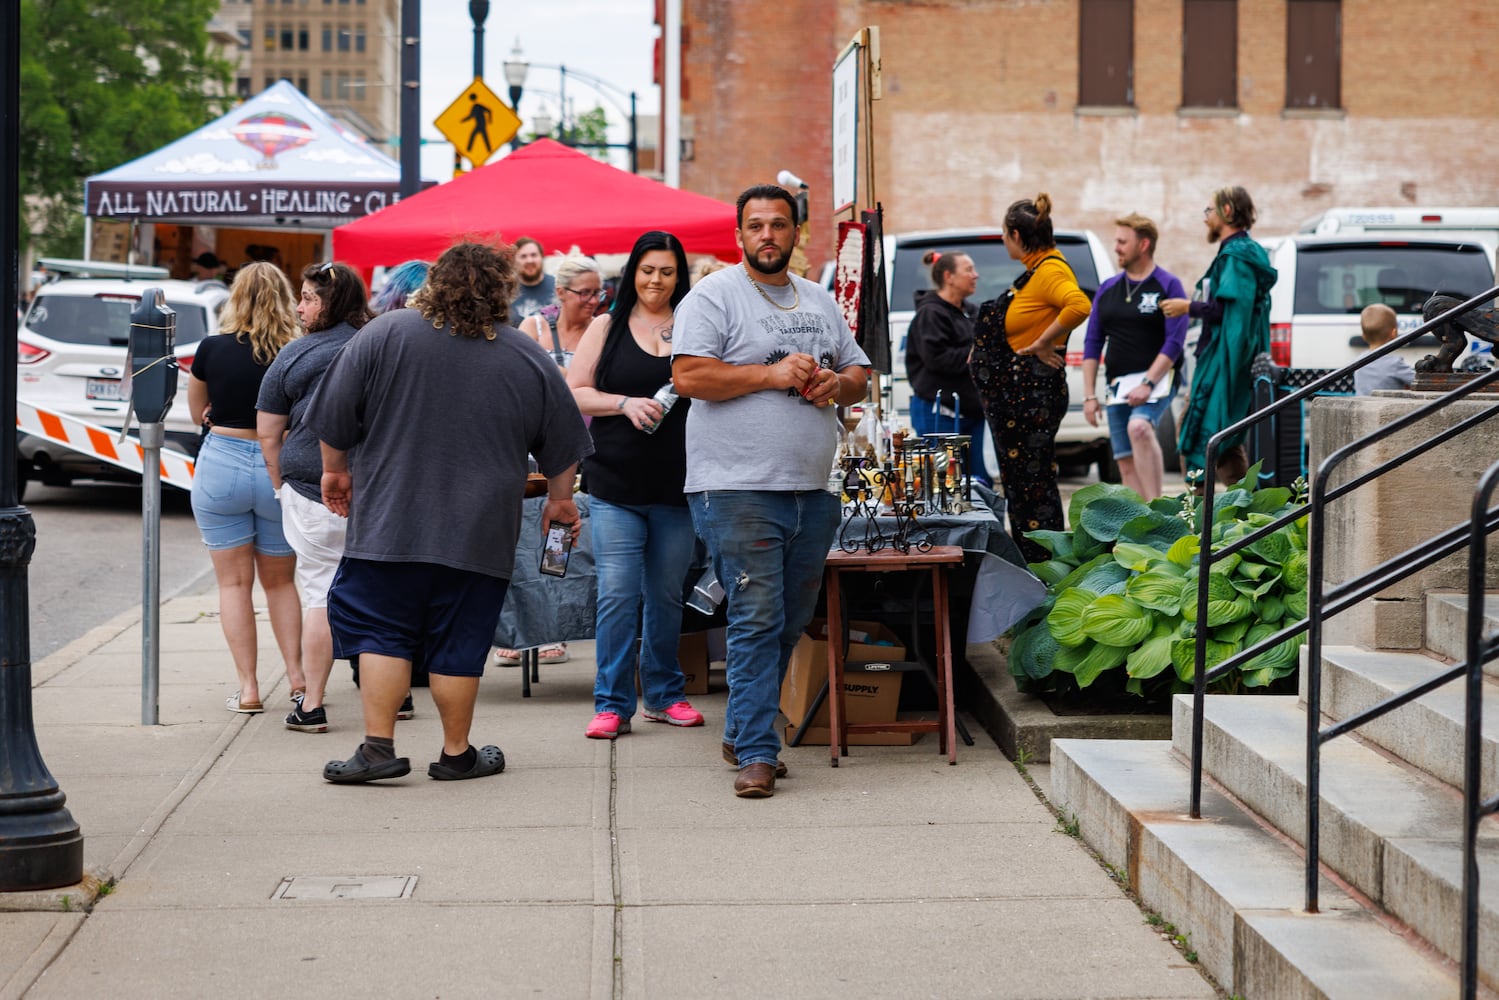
[(680, 714), (606, 726)]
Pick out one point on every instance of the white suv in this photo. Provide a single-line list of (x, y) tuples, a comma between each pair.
[(1078, 442), (71, 359)]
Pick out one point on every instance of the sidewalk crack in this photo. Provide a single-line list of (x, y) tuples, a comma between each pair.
[(618, 990)]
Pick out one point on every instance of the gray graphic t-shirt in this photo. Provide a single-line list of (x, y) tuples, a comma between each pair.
[(771, 439), (531, 299)]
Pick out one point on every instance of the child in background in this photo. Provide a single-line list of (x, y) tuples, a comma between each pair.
[(1389, 372)]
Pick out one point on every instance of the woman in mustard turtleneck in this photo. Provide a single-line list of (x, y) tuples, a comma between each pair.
[(1019, 366)]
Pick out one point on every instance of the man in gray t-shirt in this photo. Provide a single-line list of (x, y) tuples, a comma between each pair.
[(444, 401), (766, 356), (537, 289)]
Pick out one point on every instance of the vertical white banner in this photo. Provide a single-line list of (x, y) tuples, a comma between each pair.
[(846, 127)]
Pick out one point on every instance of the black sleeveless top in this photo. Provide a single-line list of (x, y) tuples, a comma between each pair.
[(629, 466)]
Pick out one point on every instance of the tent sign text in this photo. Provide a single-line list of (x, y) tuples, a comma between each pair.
[(311, 201)]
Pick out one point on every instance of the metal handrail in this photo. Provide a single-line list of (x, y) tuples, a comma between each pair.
[(1206, 555), (1478, 650)]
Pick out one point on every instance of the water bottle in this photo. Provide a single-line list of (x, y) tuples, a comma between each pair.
[(667, 397)]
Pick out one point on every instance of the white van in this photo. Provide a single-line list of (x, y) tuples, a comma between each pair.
[(1325, 281), (1464, 225), (1078, 442)]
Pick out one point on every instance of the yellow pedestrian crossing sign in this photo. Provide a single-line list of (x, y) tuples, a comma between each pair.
[(478, 123)]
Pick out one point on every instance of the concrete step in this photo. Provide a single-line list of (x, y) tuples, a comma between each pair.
[(1428, 732), (1447, 624), (1232, 887), (1392, 832)]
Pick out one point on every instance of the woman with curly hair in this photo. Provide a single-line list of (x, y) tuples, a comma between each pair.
[(1019, 366), (233, 500), (333, 308)]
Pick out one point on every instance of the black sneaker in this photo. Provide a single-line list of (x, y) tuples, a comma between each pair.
[(311, 721), (408, 710)]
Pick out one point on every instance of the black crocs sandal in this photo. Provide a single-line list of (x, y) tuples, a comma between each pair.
[(490, 760), (359, 768)]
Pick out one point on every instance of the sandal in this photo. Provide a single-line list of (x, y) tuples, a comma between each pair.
[(507, 657), (553, 652), (490, 760), (359, 768), (243, 707)]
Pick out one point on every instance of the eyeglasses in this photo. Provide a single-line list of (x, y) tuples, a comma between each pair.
[(1207, 213), (587, 294)]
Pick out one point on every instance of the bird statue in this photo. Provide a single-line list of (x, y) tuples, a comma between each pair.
[(1481, 323)]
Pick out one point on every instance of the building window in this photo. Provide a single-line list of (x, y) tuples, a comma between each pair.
[(359, 39), (343, 86), (242, 87), (1314, 53), (288, 39), (327, 38), (327, 86), (244, 36), (1210, 45), (270, 81), (343, 39), (358, 93), (303, 38), (270, 38), (302, 84), (1106, 53)]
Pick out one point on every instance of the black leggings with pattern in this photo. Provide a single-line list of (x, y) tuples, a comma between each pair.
[(1024, 401)]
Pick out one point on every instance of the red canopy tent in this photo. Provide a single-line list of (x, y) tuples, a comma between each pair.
[(546, 191)]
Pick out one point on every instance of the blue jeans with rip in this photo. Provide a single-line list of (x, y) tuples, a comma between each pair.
[(768, 551), (642, 555)]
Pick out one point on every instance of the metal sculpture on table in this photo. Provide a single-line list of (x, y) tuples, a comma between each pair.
[(1481, 323)]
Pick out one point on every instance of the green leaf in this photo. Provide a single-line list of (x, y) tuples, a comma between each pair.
[(1104, 517), (1033, 652), (1152, 656), (1066, 618), (1184, 654), (1270, 608), (1273, 549), (1058, 543), (1229, 505), (1106, 576), (1232, 632), (1295, 605), (1136, 557), (1086, 547), (1183, 551), (1052, 571), (1154, 529), (1089, 494), (1254, 589), (1086, 663), (1224, 602), (1169, 506), (1294, 572), (1269, 500), (1251, 480), (1158, 589), (1115, 620)]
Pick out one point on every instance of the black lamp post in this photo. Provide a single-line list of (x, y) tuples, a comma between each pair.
[(41, 846), (565, 135), (479, 11), (411, 96)]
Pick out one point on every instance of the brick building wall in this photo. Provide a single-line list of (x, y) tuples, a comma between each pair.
[(980, 108)]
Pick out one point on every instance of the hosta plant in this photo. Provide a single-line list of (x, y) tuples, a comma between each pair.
[(1121, 608)]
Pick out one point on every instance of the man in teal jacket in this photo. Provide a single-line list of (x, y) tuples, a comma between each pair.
[(1233, 301)]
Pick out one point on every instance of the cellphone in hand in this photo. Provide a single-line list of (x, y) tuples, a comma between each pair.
[(557, 547)]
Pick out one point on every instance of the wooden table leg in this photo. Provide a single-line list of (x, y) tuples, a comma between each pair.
[(946, 710), (835, 670)]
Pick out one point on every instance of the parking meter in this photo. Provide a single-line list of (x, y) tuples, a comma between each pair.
[(153, 386), (153, 365)]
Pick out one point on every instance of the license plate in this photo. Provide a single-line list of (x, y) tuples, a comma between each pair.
[(104, 388)]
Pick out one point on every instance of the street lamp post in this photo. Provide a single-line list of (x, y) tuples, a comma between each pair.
[(411, 92), (41, 846), (602, 86), (515, 76)]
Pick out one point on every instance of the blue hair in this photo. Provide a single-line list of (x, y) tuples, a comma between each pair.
[(400, 283)]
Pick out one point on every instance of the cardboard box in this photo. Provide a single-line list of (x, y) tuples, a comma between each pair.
[(692, 656), (867, 697)]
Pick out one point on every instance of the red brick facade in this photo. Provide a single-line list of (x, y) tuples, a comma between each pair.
[(979, 108)]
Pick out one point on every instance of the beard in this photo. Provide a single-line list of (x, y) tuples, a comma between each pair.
[(775, 266), (1215, 231)]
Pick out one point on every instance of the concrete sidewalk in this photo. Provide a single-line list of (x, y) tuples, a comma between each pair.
[(588, 869)]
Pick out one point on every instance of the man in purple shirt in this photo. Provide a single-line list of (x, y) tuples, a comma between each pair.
[(1144, 348)]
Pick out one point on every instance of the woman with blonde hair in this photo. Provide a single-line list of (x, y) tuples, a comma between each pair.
[(1019, 366), (233, 500)]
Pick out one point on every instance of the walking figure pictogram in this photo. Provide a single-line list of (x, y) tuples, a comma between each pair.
[(480, 115)]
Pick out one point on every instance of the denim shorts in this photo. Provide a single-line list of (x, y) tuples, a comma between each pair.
[(1120, 414), (233, 501), (397, 608)]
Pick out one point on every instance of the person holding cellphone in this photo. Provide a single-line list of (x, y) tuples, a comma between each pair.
[(643, 538)]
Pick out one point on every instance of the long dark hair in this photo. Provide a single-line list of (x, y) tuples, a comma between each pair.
[(342, 292), (624, 301)]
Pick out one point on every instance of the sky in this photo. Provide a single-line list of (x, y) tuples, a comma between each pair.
[(612, 40)]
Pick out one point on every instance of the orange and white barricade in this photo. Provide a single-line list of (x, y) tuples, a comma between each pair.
[(101, 443)]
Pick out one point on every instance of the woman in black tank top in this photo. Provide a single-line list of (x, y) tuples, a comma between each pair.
[(642, 532)]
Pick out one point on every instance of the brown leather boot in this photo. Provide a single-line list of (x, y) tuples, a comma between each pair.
[(755, 781), (730, 758)]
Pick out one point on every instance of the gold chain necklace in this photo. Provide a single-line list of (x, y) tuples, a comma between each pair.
[(796, 294)]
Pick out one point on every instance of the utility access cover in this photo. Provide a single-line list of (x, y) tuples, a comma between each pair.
[(323, 888)]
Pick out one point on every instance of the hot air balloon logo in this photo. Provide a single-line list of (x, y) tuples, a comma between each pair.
[(270, 133)]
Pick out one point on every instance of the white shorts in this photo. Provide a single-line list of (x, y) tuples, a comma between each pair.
[(316, 535)]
